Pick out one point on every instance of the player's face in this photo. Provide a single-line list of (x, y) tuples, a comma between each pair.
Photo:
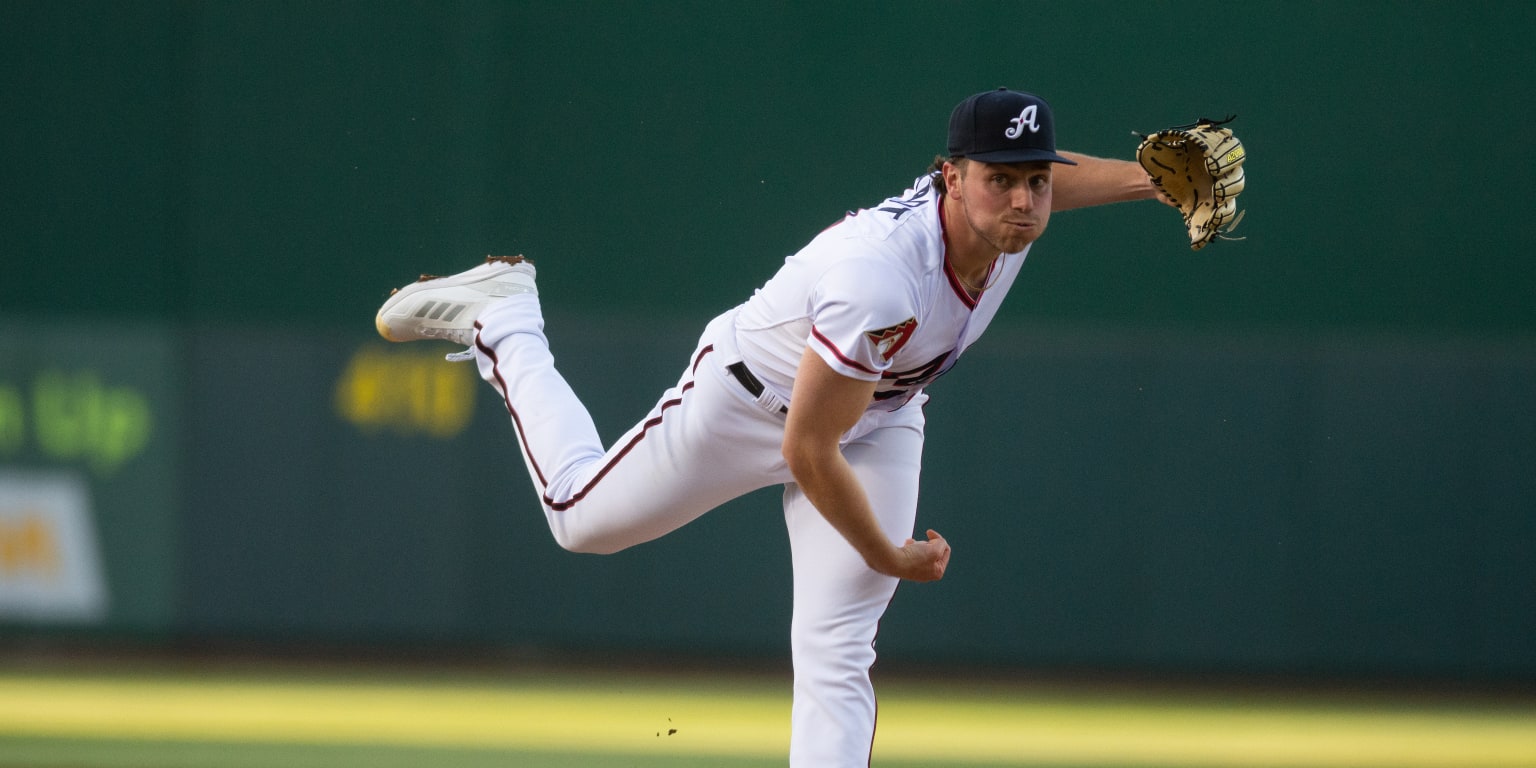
[(1006, 205)]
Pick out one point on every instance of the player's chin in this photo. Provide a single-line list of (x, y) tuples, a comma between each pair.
[(1019, 237)]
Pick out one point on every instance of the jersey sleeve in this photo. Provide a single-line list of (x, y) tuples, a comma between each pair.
[(862, 312)]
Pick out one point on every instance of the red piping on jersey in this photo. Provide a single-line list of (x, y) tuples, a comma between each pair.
[(561, 506), (949, 272), (844, 359)]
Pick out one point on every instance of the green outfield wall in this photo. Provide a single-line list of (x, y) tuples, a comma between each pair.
[(1311, 451)]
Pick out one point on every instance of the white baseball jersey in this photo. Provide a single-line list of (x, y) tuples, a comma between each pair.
[(875, 297)]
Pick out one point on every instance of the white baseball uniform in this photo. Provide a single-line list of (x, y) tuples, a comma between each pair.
[(874, 296)]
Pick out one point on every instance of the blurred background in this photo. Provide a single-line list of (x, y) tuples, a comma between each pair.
[(1308, 455)]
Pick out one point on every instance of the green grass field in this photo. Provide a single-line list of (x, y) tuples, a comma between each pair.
[(297, 716)]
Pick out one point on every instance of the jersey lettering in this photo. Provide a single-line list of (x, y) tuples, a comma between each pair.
[(919, 376), (907, 383), (918, 198)]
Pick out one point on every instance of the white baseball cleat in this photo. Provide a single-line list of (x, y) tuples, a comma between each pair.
[(446, 307)]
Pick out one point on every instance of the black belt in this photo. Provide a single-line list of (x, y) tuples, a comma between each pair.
[(749, 382)]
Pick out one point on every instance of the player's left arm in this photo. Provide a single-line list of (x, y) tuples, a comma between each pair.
[(823, 406), (1099, 181)]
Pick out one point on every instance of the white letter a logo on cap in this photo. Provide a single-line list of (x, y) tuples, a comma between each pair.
[(1025, 118)]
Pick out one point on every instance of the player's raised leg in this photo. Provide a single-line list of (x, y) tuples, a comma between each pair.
[(451, 308), (703, 443)]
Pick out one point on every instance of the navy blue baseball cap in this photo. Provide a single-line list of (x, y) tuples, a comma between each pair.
[(1004, 126)]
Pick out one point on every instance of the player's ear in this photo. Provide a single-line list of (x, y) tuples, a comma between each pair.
[(954, 171)]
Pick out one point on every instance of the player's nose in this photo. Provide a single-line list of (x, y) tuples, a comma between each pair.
[(1023, 198)]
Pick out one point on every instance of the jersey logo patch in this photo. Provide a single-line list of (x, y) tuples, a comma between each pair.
[(889, 341)]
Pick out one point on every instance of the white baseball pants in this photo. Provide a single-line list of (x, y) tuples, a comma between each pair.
[(705, 442)]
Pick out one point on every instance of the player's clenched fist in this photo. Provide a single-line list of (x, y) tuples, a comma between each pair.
[(925, 560)]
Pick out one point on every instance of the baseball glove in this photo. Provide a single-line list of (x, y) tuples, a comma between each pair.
[(1199, 168)]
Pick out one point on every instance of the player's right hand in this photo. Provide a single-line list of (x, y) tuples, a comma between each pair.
[(924, 560)]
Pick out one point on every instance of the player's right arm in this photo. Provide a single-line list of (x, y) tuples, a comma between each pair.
[(823, 406)]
